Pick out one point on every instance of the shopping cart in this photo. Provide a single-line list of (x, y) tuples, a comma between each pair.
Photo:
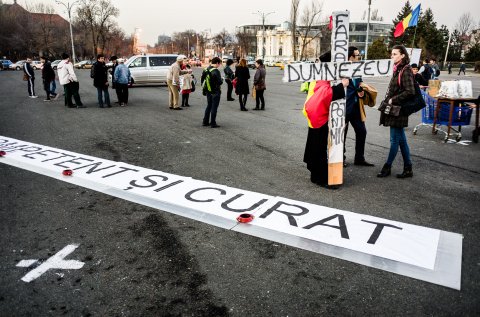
[(461, 116)]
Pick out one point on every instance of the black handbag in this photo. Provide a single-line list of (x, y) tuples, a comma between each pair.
[(389, 109), (414, 104)]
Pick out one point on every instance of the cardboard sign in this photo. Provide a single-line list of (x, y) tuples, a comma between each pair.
[(336, 122), (312, 227)]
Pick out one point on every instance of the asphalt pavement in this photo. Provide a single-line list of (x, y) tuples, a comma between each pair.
[(141, 261)]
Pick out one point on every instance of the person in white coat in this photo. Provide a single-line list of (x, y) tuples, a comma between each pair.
[(69, 81)]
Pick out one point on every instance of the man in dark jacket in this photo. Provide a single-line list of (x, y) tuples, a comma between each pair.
[(29, 76), (48, 75), (212, 79), (100, 81), (353, 115)]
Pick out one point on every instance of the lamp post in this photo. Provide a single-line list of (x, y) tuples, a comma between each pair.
[(69, 7), (368, 29), (263, 15)]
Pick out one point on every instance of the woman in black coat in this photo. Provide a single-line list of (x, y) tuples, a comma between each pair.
[(400, 89), (242, 74)]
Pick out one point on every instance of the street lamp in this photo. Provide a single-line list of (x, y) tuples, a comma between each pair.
[(263, 15), (368, 29), (69, 7)]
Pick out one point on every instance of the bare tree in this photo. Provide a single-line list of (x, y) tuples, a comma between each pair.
[(47, 26), (244, 40), (293, 25), (223, 40), (375, 16), (465, 24), (310, 29), (97, 16)]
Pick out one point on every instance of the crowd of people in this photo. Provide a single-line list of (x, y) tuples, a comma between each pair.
[(400, 89), (68, 79), (181, 81)]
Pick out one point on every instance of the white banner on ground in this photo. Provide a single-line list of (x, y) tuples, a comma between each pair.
[(292, 222)]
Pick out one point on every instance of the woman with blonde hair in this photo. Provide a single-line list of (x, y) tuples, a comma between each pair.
[(242, 74)]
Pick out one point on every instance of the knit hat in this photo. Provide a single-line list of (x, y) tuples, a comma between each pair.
[(181, 58)]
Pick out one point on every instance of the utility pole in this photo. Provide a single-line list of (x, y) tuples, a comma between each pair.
[(263, 15), (446, 53), (368, 29), (69, 7)]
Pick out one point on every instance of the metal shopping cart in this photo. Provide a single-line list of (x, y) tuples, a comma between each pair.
[(461, 115)]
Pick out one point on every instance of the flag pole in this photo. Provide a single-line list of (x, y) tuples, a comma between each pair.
[(414, 34)]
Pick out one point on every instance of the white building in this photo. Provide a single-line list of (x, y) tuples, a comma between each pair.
[(278, 44), (278, 41)]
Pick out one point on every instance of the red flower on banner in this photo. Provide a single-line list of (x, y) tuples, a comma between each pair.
[(244, 218), (67, 172), (330, 25), (3, 153)]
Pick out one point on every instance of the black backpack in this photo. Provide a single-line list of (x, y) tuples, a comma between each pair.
[(437, 72), (427, 72)]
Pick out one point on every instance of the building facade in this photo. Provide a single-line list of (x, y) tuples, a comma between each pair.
[(249, 32), (277, 41), (358, 33)]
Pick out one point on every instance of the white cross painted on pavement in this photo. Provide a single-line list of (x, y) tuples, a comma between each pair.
[(54, 262)]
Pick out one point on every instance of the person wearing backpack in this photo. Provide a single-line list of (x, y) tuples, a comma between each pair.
[(426, 70), (435, 69), (211, 81), (100, 81), (400, 89)]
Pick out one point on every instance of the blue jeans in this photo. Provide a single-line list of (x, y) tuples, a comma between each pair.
[(398, 138), (103, 89), (53, 87), (213, 100)]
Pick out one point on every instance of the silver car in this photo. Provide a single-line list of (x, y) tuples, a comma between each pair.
[(150, 69)]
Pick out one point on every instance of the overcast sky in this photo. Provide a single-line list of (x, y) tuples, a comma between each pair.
[(157, 17)]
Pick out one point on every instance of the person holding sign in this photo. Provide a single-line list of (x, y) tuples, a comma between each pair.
[(400, 89), (353, 116), (316, 109)]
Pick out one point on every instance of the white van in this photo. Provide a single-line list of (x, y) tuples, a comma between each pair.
[(150, 69)]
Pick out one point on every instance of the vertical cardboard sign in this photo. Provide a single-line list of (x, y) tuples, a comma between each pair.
[(336, 122)]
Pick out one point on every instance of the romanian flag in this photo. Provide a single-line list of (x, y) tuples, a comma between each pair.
[(317, 105), (410, 20)]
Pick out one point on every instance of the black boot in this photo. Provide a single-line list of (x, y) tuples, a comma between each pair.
[(386, 171), (407, 172)]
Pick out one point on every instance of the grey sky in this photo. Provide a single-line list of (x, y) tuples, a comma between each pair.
[(156, 17)]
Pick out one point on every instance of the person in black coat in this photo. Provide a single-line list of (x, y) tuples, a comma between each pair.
[(100, 81), (48, 75), (418, 78), (317, 112), (242, 74), (29, 76)]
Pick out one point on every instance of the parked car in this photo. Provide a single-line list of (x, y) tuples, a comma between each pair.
[(83, 64), (5, 64), (55, 63), (269, 63), (18, 65), (37, 65), (150, 69), (195, 62)]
